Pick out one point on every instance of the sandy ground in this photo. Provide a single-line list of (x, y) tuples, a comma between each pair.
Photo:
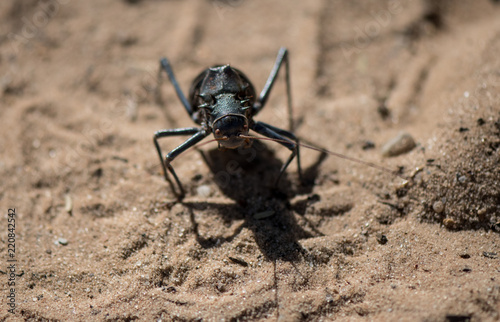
[(99, 234)]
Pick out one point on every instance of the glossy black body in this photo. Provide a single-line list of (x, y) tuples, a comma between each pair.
[(222, 99)]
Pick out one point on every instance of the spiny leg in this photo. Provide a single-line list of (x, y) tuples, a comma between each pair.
[(289, 135), (264, 95), (165, 66), (284, 137), (199, 134)]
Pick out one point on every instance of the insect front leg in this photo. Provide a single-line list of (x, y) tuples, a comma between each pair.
[(198, 135), (264, 95), (285, 138)]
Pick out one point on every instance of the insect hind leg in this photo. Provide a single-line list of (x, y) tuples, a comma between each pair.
[(266, 91), (165, 66)]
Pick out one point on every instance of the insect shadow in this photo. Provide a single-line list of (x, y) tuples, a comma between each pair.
[(253, 171), (248, 172), (248, 178), (276, 236)]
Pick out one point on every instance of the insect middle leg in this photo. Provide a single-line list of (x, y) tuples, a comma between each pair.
[(198, 135), (284, 138)]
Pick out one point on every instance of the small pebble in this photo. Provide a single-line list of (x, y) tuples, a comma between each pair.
[(131, 109), (449, 223), (401, 144), (36, 143), (238, 261), (203, 191), (382, 239), (490, 255), (264, 214), (384, 111), (438, 207), (62, 241), (68, 204), (368, 145), (170, 289)]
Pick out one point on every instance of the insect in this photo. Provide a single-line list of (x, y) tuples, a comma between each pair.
[(223, 101)]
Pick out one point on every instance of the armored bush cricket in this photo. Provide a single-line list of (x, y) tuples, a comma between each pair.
[(223, 101)]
